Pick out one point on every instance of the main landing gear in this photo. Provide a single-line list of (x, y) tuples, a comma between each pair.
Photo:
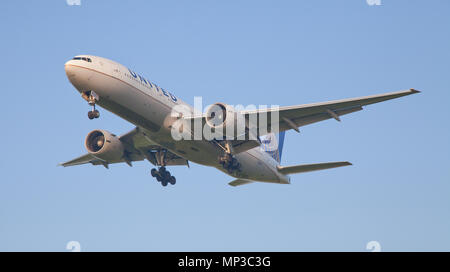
[(163, 176), (227, 160), (229, 163), (91, 97)]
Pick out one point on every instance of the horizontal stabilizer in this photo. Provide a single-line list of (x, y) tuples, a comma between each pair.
[(302, 168), (239, 182)]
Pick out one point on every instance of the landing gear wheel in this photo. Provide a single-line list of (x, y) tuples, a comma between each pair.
[(172, 180), (164, 182), (93, 114), (163, 176), (167, 175)]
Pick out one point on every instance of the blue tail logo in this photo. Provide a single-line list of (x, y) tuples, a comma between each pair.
[(273, 146)]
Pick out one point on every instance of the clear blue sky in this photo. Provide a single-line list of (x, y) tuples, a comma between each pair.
[(250, 52)]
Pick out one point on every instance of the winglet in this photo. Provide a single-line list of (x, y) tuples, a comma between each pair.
[(414, 91)]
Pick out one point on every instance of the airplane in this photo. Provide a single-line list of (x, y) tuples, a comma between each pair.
[(149, 108)]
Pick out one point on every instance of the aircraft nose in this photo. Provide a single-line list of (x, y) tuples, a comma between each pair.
[(69, 69), (73, 74)]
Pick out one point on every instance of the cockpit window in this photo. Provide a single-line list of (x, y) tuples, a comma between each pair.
[(82, 58)]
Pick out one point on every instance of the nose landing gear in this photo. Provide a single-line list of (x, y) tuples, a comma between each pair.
[(91, 97)]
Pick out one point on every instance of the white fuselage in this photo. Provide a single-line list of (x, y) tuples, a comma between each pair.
[(146, 105)]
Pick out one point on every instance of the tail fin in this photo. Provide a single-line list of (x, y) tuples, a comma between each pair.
[(273, 146), (281, 143)]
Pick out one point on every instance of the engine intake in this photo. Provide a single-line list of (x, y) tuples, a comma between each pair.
[(104, 145), (216, 115)]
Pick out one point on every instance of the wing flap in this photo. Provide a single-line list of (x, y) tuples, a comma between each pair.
[(311, 119)]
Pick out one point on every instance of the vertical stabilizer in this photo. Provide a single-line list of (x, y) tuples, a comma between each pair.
[(273, 146)]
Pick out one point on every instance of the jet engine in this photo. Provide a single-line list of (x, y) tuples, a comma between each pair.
[(104, 145), (225, 120)]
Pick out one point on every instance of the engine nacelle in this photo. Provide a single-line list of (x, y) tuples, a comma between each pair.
[(223, 119), (104, 145)]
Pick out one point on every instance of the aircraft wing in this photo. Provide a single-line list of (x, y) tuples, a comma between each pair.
[(137, 148), (292, 117)]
